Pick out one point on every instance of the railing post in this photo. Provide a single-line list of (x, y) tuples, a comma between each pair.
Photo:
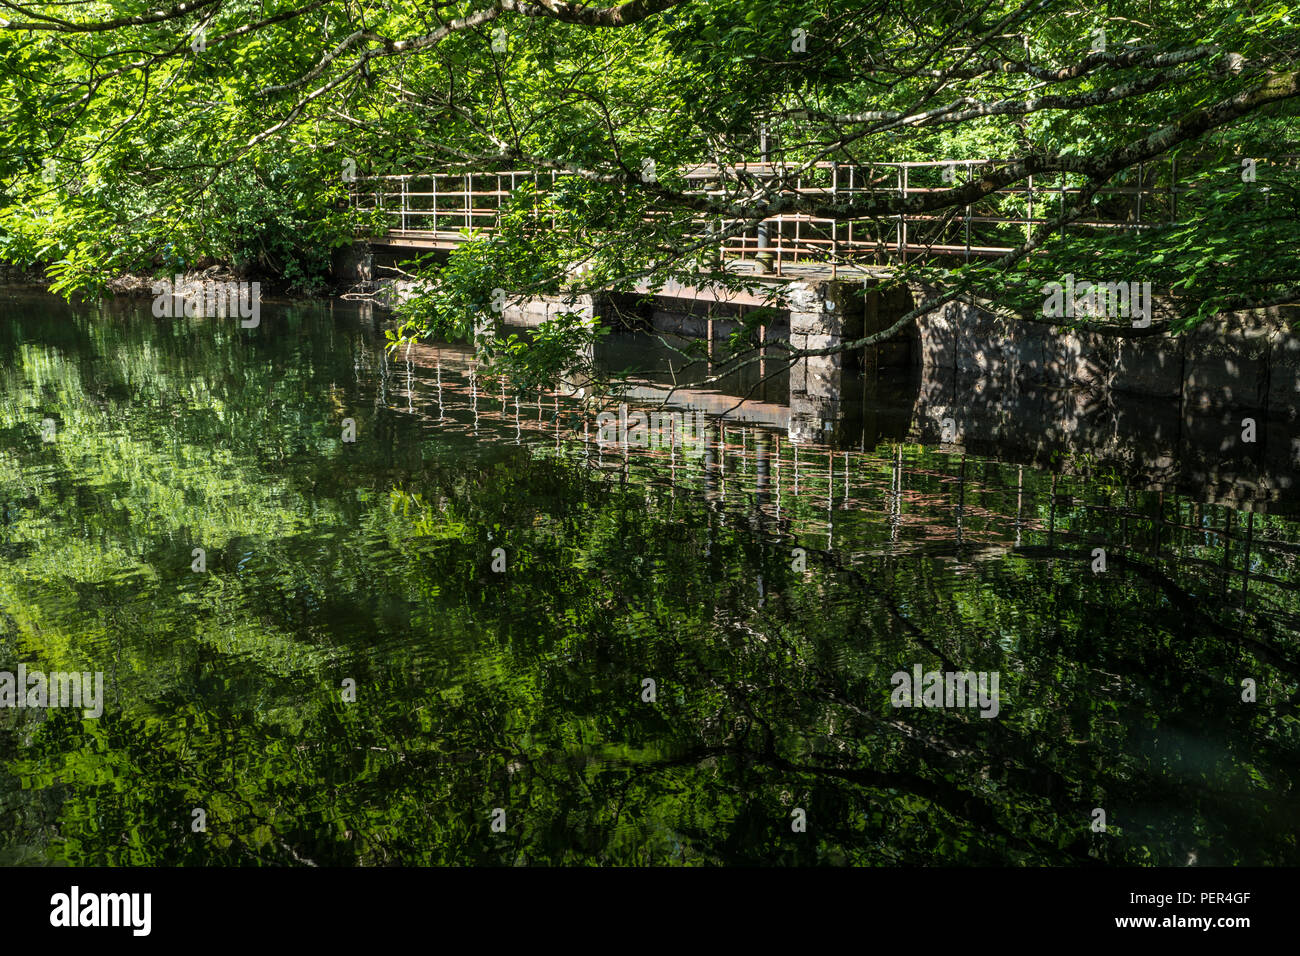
[(967, 215), (835, 223), (404, 202), (798, 189), (1173, 187), (433, 181), (902, 192), (904, 244), (1141, 184), (968, 220), (469, 186), (1029, 215), (1062, 204), (850, 224)]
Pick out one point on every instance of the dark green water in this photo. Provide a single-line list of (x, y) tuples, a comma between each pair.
[(372, 561)]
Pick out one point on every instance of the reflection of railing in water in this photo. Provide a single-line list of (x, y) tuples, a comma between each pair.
[(1181, 450), (889, 500)]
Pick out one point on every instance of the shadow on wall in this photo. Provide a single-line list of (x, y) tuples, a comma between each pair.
[(1247, 360)]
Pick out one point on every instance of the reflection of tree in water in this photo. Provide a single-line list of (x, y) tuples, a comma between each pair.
[(521, 690)]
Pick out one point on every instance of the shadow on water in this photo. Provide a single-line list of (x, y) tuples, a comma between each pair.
[(644, 646)]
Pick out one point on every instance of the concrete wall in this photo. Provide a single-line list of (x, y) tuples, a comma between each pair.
[(533, 312), (1248, 360), (1156, 444)]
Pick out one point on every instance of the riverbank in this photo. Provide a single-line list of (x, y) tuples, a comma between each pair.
[(138, 286)]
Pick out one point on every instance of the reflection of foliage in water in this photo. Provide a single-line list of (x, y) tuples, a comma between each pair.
[(522, 690)]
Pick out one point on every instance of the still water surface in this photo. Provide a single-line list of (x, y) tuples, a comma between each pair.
[(330, 562)]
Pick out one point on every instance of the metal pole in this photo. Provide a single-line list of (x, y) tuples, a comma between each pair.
[(798, 188), (904, 216), (835, 241), (901, 192), (1141, 184), (1173, 187), (761, 241), (851, 200), (1029, 216), (1062, 204), (968, 216)]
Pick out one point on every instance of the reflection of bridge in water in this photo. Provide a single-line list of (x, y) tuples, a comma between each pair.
[(863, 470)]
